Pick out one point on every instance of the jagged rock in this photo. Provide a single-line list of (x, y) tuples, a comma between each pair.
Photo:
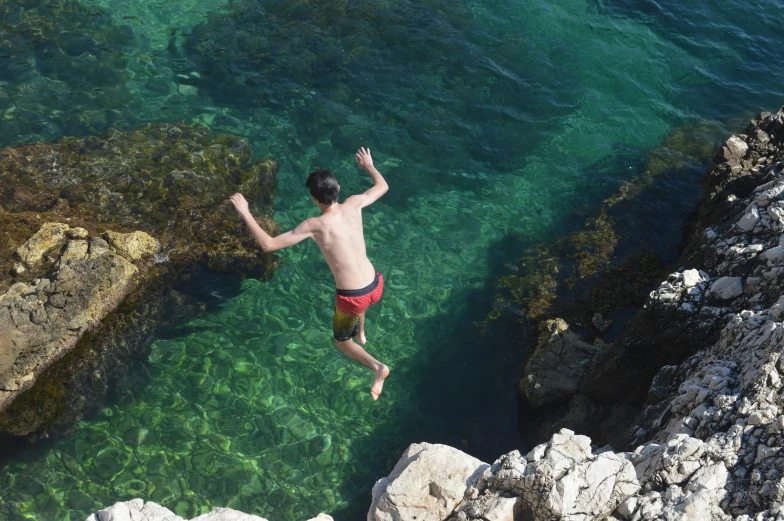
[(135, 510), (736, 248), (556, 366), (559, 480), (488, 507), (427, 484)]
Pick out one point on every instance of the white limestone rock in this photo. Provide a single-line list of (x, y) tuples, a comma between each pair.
[(428, 483), (135, 510), (227, 514), (727, 288), (736, 148), (138, 510), (749, 219)]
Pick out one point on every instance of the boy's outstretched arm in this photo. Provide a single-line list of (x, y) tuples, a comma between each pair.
[(380, 186), (267, 242)]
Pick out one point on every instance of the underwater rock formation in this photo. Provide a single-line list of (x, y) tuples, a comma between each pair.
[(97, 232), (556, 365)]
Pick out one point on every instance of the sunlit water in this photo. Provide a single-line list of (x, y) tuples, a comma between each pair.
[(496, 123)]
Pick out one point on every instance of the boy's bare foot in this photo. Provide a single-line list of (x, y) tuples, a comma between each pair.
[(378, 383), (362, 338)]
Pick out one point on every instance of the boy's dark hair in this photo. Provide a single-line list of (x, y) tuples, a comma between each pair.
[(323, 185)]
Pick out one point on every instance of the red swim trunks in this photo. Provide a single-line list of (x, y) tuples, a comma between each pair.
[(351, 303)]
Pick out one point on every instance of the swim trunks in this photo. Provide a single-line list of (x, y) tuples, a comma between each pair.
[(351, 303)]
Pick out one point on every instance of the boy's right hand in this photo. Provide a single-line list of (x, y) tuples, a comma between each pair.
[(240, 204), (363, 158)]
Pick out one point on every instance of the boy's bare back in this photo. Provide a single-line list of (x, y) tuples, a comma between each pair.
[(339, 235)]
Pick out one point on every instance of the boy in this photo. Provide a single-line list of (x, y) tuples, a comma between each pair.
[(338, 233)]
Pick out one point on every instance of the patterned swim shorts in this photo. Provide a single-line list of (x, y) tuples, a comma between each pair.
[(351, 303)]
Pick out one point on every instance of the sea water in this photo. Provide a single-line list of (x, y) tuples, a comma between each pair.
[(497, 124)]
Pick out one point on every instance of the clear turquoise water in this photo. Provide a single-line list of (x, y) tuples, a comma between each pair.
[(497, 124)]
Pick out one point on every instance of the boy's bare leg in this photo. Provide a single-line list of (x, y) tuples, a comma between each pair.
[(362, 338), (356, 353)]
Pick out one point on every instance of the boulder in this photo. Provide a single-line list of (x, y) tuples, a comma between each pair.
[(726, 288), (227, 514), (427, 484), (135, 510)]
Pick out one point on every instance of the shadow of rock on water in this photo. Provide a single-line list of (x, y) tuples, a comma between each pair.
[(86, 298)]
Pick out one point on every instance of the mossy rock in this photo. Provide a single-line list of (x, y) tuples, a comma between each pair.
[(171, 181)]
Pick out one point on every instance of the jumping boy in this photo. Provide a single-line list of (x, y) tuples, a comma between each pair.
[(338, 233)]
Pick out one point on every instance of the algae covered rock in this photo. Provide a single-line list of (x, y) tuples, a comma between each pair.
[(170, 181), (145, 210), (556, 366), (132, 246)]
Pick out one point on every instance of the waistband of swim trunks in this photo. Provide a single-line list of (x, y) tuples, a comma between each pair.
[(359, 292)]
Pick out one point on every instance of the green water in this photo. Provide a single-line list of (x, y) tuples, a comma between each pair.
[(496, 124)]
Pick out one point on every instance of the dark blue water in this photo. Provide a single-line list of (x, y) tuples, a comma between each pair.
[(497, 125)]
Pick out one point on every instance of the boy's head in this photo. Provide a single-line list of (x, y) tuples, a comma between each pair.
[(323, 186)]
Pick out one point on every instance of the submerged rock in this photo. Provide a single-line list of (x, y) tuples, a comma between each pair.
[(556, 366), (87, 225)]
